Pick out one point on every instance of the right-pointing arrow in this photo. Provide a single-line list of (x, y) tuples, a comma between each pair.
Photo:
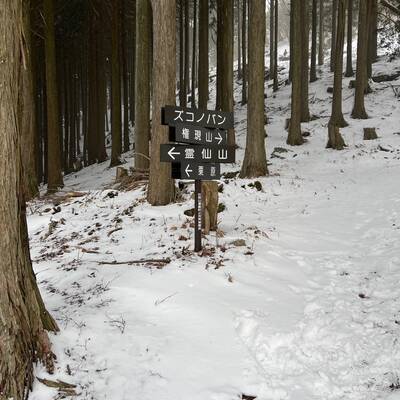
[(187, 170), (219, 137)]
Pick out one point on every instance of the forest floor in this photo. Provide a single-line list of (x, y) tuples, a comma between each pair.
[(308, 308)]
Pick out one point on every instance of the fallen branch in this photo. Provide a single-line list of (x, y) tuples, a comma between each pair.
[(65, 388), (159, 261), (113, 230)]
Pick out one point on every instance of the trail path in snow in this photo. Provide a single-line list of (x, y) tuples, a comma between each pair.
[(308, 309)]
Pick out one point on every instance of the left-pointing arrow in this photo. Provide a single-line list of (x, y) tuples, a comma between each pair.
[(172, 152), (187, 170)]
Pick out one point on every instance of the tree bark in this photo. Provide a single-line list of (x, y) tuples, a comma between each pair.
[(275, 75), (161, 187), (255, 163), (271, 37), (203, 54), (362, 58), (349, 56), (28, 112), (23, 339), (373, 36), (142, 83), (239, 42), (333, 37), (337, 114), (182, 94), (244, 52), (54, 174), (294, 135), (116, 122), (194, 48), (321, 33), (225, 60), (313, 69), (186, 68), (305, 31)]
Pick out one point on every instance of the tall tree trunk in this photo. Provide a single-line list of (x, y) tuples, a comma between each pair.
[(125, 78), (203, 54), (271, 37), (239, 42), (337, 114), (305, 31), (92, 97), (101, 101), (225, 60), (373, 36), (313, 69), (362, 59), (294, 135), (321, 34), (255, 163), (142, 83), (182, 95), (54, 175), (28, 112), (244, 52), (186, 69), (349, 55), (193, 99), (333, 37), (116, 122), (161, 187), (23, 339), (275, 75)]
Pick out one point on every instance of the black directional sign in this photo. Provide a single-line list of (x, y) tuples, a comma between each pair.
[(204, 136), (198, 135), (203, 154), (193, 170), (173, 116)]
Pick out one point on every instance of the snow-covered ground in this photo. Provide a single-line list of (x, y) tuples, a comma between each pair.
[(308, 308)]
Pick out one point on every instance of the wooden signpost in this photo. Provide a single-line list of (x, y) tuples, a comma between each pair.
[(201, 146)]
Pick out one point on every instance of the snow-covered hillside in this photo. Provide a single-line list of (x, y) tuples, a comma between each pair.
[(297, 299)]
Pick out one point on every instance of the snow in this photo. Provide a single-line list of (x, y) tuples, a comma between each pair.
[(308, 309)]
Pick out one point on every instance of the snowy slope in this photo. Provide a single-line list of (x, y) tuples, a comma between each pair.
[(308, 309)]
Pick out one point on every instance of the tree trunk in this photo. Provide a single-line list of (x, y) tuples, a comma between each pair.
[(23, 339), (116, 122), (92, 100), (349, 55), (373, 36), (362, 58), (244, 53), (255, 163), (142, 83), (239, 42), (333, 37), (182, 95), (125, 79), (275, 75), (203, 54), (305, 31), (271, 36), (225, 60), (321, 33), (54, 174), (337, 115), (294, 136), (28, 112), (186, 68), (313, 69), (161, 187), (193, 97)]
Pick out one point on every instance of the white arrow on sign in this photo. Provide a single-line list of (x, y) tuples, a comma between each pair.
[(219, 137), (187, 170), (171, 153)]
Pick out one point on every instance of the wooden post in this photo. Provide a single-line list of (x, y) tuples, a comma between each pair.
[(197, 215)]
